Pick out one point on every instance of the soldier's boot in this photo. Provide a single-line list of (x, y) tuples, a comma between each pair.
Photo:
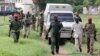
[(57, 48), (15, 40), (52, 47), (57, 51), (9, 33), (52, 52), (40, 33), (24, 35), (80, 49)]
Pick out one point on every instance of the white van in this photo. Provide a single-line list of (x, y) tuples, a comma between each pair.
[(65, 15)]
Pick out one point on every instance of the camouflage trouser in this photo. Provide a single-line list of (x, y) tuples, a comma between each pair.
[(16, 36), (26, 31), (9, 31), (90, 43), (33, 25), (41, 30), (55, 43)]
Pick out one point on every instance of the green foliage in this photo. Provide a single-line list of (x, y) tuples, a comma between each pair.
[(78, 8), (42, 3), (78, 2), (97, 2), (86, 2)]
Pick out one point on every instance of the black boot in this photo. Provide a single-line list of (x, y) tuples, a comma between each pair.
[(80, 49), (52, 53), (57, 51), (88, 51), (24, 36)]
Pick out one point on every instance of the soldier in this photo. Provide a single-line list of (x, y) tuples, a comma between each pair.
[(90, 30), (78, 16), (55, 28), (33, 22), (15, 28), (10, 20), (78, 33), (21, 17), (41, 23), (26, 25)]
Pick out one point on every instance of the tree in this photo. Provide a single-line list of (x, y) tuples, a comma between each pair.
[(86, 3), (78, 2), (92, 2), (97, 2)]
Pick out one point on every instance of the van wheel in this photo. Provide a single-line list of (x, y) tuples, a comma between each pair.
[(49, 41)]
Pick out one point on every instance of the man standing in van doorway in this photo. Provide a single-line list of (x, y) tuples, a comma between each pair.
[(55, 28), (78, 33)]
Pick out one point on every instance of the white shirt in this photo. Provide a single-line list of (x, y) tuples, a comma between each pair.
[(78, 30)]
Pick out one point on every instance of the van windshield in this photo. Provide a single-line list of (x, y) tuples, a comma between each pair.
[(67, 17)]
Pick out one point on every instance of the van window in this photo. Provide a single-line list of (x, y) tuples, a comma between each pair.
[(67, 17)]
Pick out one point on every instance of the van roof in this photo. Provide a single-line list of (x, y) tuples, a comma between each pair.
[(57, 7), (61, 12), (58, 4)]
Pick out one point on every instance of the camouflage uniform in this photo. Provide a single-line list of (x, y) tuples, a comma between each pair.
[(15, 26), (41, 23), (21, 18), (55, 35), (33, 22), (90, 30), (11, 19), (26, 26)]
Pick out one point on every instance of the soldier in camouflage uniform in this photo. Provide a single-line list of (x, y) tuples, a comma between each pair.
[(90, 30), (26, 25), (15, 28), (11, 19), (55, 28), (21, 17), (33, 22), (41, 23)]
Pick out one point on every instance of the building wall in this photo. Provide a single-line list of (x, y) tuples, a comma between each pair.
[(10, 1), (26, 5), (6, 7)]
